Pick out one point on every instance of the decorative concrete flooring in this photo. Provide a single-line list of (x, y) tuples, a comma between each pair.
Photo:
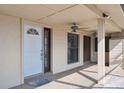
[(81, 78), (87, 78), (116, 79)]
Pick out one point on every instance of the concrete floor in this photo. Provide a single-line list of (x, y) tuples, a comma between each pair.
[(74, 79), (116, 78), (87, 78), (80, 78)]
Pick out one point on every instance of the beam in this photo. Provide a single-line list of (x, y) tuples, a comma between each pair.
[(57, 12), (95, 9)]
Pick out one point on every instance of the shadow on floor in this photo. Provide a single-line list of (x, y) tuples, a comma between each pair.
[(66, 73), (52, 77), (55, 77), (72, 84)]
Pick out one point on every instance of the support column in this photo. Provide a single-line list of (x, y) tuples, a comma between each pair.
[(122, 51), (101, 50)]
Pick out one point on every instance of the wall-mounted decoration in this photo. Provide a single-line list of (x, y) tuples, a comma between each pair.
[(32, 31)]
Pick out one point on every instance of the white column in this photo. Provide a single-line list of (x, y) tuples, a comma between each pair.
[(101, 50), (122, 52)]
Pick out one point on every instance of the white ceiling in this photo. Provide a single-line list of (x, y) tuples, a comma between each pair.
[(64, 14), (115, 11), (79, 14), (57, 7), (32, 12)]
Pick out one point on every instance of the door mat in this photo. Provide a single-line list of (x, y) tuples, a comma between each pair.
[(37, 83)]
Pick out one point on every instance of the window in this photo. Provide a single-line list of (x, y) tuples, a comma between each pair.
[(32, 31), (106, 44), (72, 48)]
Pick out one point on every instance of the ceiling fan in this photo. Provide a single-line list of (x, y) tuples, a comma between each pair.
[(74, 27)]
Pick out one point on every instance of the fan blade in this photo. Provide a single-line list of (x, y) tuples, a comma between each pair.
[(87, 31), (83, 28)]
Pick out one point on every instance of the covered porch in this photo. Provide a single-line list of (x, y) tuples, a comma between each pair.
[(65, 57)]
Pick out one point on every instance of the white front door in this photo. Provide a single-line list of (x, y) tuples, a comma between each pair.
[(33, 47)]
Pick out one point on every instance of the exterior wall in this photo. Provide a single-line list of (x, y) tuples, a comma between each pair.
[(115, 51), (115, 44), (9, 52), (93, 53), (60, 51), (11, 64), (118, 39)]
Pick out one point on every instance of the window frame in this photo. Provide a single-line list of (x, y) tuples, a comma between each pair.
[(76, 48), (107, 38)]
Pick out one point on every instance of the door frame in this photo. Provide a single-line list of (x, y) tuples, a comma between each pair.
[(89, 48), (41, 46), (22, 24), (50, 66)]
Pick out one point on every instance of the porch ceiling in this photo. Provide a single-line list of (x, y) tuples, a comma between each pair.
[(61, 15), (115, 11)]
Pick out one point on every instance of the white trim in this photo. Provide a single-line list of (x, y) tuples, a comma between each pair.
[(22, 48), (78, 47), (51, 50)]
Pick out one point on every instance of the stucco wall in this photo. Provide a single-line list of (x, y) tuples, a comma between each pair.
[(115, 51), (60, 51), (10, 56), (115, 48), (93, 53), (9, 52)]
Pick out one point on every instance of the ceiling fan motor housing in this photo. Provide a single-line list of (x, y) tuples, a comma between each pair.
[(74, 27)]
